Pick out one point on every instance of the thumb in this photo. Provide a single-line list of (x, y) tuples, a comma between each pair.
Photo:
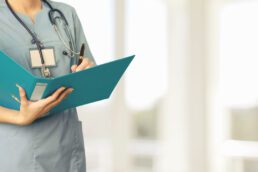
[(73, 68), (23, 97)]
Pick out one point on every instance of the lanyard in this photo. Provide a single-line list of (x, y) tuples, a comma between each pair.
[(35, 39)]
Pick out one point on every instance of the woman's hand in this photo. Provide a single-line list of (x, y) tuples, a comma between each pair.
[(86, 63), (30, 111)]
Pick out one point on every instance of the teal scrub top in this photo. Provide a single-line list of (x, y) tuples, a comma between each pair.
[(53, 143)]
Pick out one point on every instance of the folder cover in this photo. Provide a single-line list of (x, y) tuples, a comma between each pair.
[(90, 85)]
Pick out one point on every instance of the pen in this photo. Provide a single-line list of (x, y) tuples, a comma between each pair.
[(81, 54)]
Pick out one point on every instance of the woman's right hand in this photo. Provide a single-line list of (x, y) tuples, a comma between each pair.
[(30, 111)]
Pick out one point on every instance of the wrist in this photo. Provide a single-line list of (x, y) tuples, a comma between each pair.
[(14, 118), (11, 116), (19, 119)]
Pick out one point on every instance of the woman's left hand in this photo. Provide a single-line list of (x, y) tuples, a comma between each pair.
[(86, 63)]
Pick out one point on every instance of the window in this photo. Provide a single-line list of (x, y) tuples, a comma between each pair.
[(239, 83), (146, 24), (146, 79)]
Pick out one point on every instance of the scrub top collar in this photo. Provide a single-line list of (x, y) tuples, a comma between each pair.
[(3, 4), (25, 18)]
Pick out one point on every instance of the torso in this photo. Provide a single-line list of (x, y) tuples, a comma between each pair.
[(53, 143)]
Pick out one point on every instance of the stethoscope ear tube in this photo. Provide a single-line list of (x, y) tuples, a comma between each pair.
[(52, 18)]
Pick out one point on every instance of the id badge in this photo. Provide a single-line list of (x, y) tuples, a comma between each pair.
[(48, 55)]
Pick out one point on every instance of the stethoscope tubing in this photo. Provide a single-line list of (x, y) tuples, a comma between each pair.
[(53, 22)]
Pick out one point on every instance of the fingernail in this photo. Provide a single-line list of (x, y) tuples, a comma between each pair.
[(19, 87), (71, 90)]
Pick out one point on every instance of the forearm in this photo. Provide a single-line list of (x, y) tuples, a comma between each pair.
[(8, 115)]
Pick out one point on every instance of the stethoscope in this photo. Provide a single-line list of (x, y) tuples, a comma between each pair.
[(53, 19)]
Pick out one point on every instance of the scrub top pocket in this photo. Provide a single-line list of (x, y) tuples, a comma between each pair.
[(79, 160)]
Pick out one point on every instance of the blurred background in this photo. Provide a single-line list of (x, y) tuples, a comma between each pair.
[(189, 101)]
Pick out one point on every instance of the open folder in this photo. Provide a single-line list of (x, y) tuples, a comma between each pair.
[(90, 85)]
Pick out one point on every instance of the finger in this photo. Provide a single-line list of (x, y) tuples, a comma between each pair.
[(91, 64), (59, 99), (23, 98), (73, 68), (54, 96), (83, 65)]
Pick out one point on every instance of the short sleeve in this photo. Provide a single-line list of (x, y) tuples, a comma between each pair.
[(80, 37)]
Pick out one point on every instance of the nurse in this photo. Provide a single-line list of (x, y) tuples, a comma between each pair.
[(31, 139)]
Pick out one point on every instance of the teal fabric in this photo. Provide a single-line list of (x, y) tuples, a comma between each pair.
[(54, 143)]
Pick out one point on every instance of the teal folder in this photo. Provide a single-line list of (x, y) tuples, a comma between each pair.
[(90, 85)]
